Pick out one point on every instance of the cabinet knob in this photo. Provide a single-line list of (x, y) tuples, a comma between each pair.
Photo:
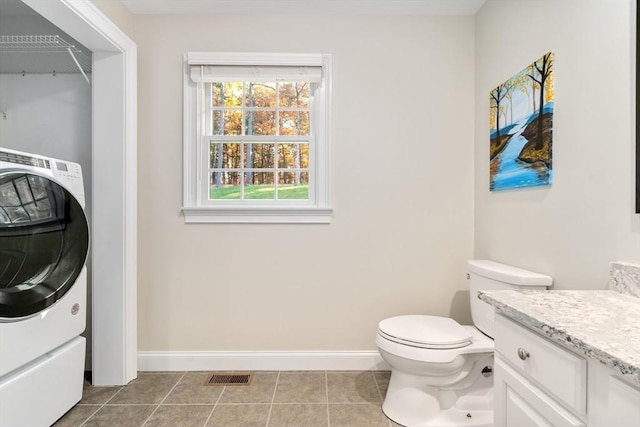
[(523, 354)]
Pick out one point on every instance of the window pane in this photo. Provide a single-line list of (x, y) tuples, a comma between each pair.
[(224, 155), (293, 156), (233, 122), (9, 195), (294, 123), (226, 122), (228, 94), (304, 155), (24, 190), (293, 185), (258, 178), (40, 210), (217, 95), (262, 186), (289, 156), (260, 95), (293, 95), (224, 185), (261, 123), (217, 121), (38, 186), (16, 214), (259, 155)]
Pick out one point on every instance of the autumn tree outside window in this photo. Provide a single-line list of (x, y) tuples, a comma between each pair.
[(256, 137)]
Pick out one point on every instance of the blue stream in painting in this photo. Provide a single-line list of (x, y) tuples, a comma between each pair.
[(513, 173)]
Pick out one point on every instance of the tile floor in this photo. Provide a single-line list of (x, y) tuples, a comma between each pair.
[(285, 398)]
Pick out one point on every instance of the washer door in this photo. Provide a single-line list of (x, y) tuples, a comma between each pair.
[(44, 239)]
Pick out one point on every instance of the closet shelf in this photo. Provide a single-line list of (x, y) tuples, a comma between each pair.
[(41, 54)]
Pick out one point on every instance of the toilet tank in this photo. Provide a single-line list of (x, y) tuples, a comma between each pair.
[(487, 275)]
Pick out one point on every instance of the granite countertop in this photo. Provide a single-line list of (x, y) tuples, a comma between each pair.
[(603, 325)]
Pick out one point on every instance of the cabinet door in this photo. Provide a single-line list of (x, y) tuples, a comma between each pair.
[(520, 403), (624, 404)]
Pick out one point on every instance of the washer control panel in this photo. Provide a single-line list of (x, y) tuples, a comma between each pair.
[(67, 173), (24, 159)]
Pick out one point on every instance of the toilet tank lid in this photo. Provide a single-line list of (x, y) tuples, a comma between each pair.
[(507, 273)]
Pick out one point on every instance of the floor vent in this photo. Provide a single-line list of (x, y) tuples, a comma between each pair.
[(229, 379)]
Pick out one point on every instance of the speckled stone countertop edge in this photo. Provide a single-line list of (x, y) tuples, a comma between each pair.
[(563, 338)]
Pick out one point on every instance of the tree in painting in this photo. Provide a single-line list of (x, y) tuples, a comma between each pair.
[(543, 73), (521, 125), (497, 95)]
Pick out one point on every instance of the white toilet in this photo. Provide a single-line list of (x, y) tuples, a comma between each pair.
[(441, 371)]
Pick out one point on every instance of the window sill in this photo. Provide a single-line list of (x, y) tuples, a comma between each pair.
[(257, 215)]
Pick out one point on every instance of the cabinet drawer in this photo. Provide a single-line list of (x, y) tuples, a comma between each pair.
[(559, 371)]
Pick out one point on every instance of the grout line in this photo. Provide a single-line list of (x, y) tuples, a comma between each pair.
[(153, 404), (215, 405), (114, 395), (326, 389), (375, 380), (315, 403), (101, 406), (165, 398), (91, 416), (127, 404), (273, 396)]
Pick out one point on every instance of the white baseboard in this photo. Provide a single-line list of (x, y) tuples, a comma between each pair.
[(261, 361)]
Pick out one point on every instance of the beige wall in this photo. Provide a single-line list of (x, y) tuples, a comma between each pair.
[(402, 161), (118, 13), (572, 229)]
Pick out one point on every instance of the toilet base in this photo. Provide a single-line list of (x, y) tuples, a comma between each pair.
[(410, 401), (452, 418)]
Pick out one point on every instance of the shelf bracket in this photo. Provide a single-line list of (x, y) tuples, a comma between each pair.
[(78, 65)]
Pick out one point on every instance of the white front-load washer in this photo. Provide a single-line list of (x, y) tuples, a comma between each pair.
[(44, 241)]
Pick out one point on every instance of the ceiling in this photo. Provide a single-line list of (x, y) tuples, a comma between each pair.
[(290, 7)]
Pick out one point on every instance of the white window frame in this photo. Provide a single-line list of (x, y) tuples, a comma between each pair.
[(317, 209)]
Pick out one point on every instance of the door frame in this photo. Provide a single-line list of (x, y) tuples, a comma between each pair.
[(114, 187)]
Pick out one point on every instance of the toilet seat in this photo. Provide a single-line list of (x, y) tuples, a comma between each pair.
[(429, 332)]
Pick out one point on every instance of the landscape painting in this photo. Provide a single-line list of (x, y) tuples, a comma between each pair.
[(521, 128)]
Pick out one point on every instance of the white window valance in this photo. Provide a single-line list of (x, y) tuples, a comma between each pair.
[(225, 67), (245, 73)]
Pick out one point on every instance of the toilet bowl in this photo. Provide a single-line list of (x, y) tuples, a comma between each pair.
[(441, 371)]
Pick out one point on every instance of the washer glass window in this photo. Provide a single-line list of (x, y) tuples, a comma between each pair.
[(44, 239)]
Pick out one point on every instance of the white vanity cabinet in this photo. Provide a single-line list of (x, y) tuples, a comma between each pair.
[(539, 383)]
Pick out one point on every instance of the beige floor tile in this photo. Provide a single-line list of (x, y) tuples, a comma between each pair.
[(356, 415), (97, 395), (192, 389), (259, 391), (352, 387), (382, 379), (148, 388), (243, 415), (76, 416), (300, 399), (179, 416), (299, 415), (301, 387), (120, 416)]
